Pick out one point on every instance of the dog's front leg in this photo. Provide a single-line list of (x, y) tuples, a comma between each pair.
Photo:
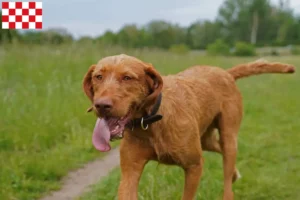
[(133, 157), (192, 178)]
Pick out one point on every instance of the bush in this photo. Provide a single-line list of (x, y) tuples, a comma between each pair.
[(179, 48), (295, 50), (274, 52), (244, 49), (219, 47)]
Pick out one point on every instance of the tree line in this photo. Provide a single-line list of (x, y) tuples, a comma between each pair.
[(252, 21)]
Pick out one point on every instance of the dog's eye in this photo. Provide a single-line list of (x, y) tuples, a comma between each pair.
[(126, 78), (99, 77)]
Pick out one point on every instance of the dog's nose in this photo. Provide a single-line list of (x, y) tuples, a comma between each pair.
[(104, 105)]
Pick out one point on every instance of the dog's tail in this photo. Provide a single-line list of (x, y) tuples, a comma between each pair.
[(260, 67)]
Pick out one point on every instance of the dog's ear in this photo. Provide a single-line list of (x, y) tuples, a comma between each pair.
[(87, 83), (155, 84)]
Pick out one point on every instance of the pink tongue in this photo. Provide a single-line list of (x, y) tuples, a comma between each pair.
[(101, 136)]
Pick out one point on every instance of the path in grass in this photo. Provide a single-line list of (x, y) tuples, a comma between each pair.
[(78, 182)]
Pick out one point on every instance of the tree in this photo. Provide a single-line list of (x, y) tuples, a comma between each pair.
[(287, 25), (258, 9), (7, 35), (164, 34), (239, 18), (252, 21), (234, 19), (130, 36), (200, 34), (108, 38), (50, 36)]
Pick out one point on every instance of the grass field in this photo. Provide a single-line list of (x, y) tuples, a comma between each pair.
[(45, 132), (44, 129)]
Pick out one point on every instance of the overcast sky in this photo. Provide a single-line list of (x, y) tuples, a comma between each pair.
[(93, 17)]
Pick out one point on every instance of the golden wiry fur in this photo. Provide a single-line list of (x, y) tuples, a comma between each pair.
[(195, 102)]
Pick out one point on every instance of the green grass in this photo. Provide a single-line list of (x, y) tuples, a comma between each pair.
[(45, 132), (269, 143), (44, 129)]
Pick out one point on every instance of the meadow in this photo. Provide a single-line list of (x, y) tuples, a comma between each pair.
[(45, 130)]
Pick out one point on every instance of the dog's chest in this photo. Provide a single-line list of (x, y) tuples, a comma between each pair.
[(176, 153), (165, 155), (166, 158)]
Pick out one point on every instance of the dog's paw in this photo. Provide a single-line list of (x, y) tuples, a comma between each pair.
[(237, 175)]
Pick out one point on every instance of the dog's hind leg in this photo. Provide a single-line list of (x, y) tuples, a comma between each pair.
[(228, 124), (210, 142)]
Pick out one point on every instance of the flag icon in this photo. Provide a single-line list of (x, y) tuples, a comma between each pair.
[(22, 15)]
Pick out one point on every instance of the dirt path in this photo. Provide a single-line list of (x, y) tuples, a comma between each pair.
[(77, 182)]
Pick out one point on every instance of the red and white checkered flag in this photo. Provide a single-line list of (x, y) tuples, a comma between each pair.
[(22, 15)]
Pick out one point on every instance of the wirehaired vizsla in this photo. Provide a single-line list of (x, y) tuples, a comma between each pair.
[(170, 119)]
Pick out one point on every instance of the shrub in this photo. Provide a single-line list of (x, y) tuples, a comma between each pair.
[(219, 47), (179, 48), (244, 49), (274, 52), (295, 50)]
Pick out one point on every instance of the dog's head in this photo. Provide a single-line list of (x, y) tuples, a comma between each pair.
[(120, 87)]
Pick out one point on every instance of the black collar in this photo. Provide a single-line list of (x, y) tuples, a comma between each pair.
[(145, 121)]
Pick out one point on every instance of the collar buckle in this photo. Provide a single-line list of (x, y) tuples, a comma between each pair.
[(142, 124)]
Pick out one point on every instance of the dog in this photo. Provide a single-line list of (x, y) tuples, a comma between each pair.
[(170, 119)]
